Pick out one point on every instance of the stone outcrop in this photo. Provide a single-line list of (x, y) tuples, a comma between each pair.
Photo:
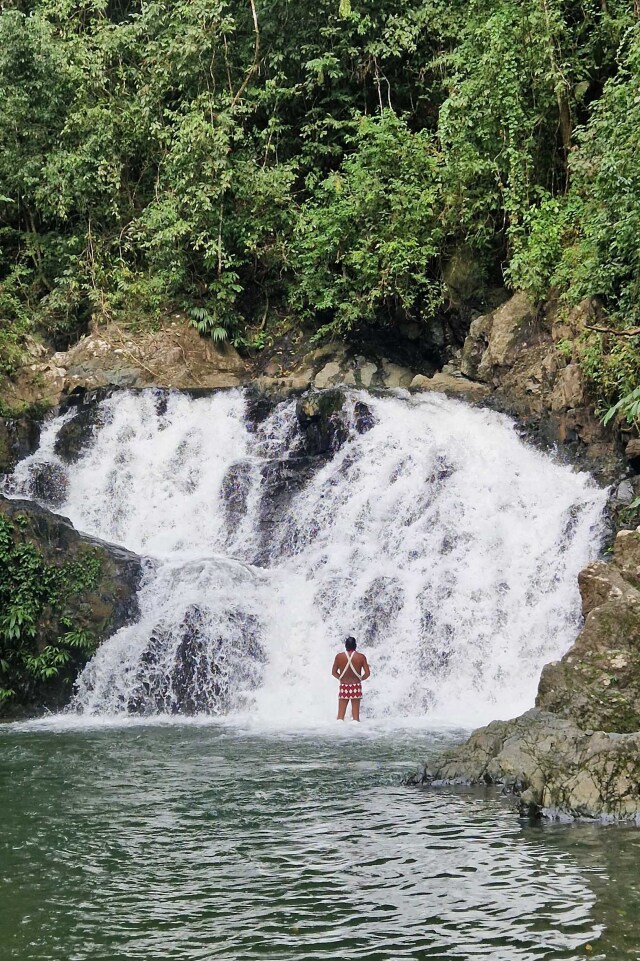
[(108, 605), (19, 437), (173, 355), (325, 423), (336, 365), (553, 768), (452, 384), (528, 359), (597, 683), (577, 754)]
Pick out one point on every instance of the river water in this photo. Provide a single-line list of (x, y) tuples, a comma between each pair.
[(190, 842)]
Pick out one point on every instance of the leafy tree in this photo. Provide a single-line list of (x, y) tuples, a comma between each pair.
[(367, 244)]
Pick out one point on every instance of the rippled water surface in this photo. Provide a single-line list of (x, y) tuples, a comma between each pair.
[(201, 842)]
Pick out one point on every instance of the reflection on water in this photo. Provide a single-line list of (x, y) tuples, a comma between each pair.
[(202, 843)]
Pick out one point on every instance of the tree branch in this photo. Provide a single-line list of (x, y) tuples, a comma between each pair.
[(631, 332), (256, 56)]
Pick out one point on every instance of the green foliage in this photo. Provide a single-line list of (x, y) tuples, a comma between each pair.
[(331, 157), (367, 244), (586, 242), (35, 599), (604, 259), (628, 407)]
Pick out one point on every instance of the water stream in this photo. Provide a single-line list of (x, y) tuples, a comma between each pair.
[(448, 547)]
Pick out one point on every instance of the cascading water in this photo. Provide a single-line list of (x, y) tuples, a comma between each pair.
[(442, 542)]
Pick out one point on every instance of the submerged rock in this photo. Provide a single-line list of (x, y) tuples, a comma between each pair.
[(553, 768)]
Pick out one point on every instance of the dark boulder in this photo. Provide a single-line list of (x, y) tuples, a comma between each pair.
[(324, 422), (99, 604), (196, 675), (48, 483), (19, 437), (78, 432)]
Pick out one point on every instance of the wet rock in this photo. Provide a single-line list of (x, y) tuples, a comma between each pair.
[(101, 610), (259, 403), (322, 422), (236, 485), (597, 682), (204, 672), (78, 432), (363, 417), (554, 768), (49, 483), (280, 481), (19, 437), (380, 606)]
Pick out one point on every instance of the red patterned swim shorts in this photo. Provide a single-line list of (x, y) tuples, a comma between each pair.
[(350, 692)]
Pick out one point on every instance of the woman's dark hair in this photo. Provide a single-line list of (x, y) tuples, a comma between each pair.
[(350, 643)]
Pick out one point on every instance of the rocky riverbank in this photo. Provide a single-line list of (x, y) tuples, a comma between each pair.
[(577, 754), (62, 594), (516, 358)]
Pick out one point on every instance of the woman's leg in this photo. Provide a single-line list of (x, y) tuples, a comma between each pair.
[(342, 707), (355, 708)]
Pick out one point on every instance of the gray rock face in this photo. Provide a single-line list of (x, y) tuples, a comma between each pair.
[(577, 754), (452, 385), (597, 682), (552, 767), (528, 360)]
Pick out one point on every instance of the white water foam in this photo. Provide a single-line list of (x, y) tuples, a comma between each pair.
[(448, 547)]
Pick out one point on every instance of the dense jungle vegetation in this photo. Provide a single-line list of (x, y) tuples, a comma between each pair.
[(325, 160)]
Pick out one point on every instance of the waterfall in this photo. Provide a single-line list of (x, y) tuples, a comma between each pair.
[(448, 547)]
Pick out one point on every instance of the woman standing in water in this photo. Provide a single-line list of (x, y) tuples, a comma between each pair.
[(350, 668)]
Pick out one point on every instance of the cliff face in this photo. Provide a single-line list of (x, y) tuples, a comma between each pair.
[(62, 593), (578, 753)]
